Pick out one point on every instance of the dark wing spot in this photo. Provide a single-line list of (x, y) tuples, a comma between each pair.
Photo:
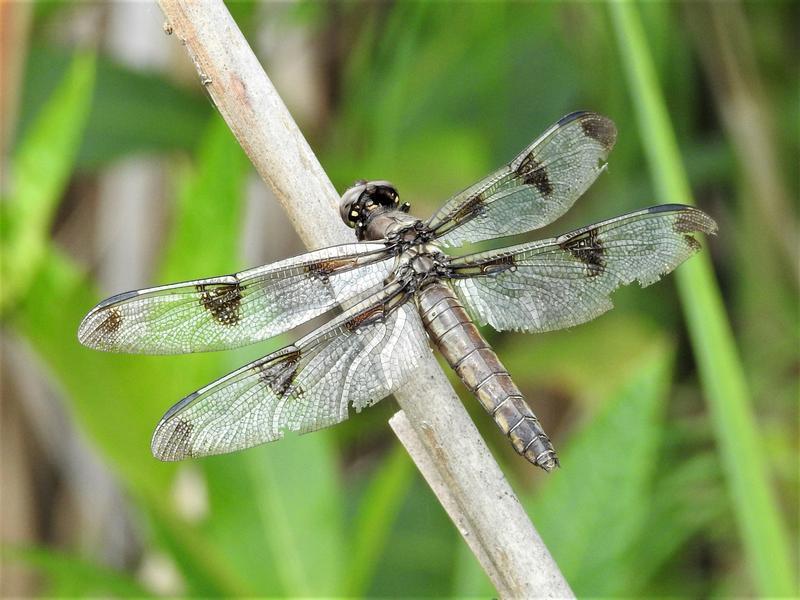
[(278, 376), (111, 323), (588, 249), (223, 302), (473, 206), (688, 219), (601, 129), (498, 265), (367, 316), (687, 222), (101, 330), (324, 268), (533, 173)]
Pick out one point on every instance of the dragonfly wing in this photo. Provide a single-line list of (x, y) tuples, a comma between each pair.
[(565, 281), (535, 188), (358, 358), (234, 310)]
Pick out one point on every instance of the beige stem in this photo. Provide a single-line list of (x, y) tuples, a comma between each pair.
[(439, 434)]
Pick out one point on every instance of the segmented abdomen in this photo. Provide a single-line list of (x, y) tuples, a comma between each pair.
[(462, 345)]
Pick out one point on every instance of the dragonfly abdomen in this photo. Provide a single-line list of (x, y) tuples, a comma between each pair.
[(461, 344)]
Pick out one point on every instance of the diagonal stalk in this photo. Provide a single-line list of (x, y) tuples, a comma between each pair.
[(483, 505)]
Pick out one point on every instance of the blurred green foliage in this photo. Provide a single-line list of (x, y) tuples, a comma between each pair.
[(720, 367), (431, 96)]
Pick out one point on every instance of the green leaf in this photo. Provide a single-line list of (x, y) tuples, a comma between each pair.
[(71, 576), (418, 558), (40, 170), (117, 400), (205, 239), (235, 521), (592, 511), (299, 496), (132, 112), (204, 242), (721, 372), (569, 360)]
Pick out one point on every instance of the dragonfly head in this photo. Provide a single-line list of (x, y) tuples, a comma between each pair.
[(364, 199)]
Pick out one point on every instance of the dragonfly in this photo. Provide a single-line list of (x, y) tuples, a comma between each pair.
[(400, 288)]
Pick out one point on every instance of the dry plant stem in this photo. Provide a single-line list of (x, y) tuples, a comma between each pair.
[(436, 468), (446, 445)]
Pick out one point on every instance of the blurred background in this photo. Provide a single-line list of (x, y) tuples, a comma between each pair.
[(118, 173)]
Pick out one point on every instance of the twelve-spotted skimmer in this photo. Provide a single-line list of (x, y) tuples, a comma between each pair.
[(400, 290)]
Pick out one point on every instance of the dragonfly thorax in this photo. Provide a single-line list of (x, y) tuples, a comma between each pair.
[(419, 264)]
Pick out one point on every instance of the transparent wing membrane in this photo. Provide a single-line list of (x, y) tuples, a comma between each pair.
[(535, 188), (565, 281), (378, 340), (234, 310), (358, 358)]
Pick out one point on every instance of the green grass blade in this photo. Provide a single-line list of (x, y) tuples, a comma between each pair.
[(687, 498), (39, 172), (748, 477), (235, 521)]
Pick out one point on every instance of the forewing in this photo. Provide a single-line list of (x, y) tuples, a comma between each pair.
[(360, 357), (568, 280), (234, 310), (535, 188)]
